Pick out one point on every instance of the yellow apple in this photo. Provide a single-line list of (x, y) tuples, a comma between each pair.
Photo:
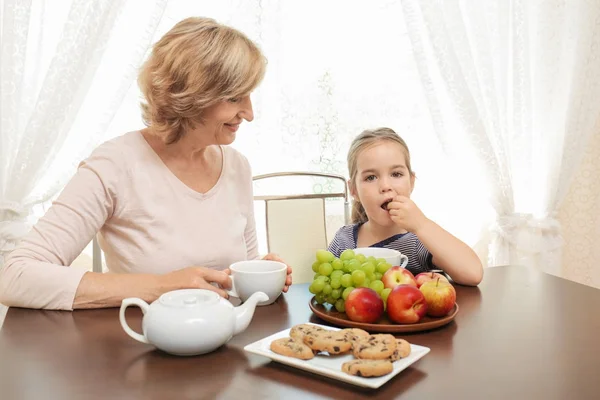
[(440, 297)]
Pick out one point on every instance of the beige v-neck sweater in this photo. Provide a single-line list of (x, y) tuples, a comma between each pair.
[(147, 219)]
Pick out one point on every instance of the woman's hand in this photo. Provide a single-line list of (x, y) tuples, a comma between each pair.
[(200, 278), (288, 281)]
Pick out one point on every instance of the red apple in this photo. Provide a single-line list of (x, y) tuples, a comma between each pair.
[(406, 305), (429, 276), (398, 276), (440, 297), (364, 305)]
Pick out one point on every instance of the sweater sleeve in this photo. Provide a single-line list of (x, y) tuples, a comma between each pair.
[(37, 274)]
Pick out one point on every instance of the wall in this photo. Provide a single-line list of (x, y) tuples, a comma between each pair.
[(580, 219)]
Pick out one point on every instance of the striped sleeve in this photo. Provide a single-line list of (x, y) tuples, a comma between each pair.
[(342, 240), (423, 256), (334, 246)]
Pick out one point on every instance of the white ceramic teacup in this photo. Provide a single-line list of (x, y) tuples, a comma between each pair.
[(392, 256), (249, 277)]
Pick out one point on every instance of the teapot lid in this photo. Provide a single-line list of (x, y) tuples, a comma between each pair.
[(189, 298)]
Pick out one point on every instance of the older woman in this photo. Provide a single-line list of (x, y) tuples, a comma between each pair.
[(172, 203)]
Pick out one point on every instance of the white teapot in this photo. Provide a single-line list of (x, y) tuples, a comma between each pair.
[(189, 322)]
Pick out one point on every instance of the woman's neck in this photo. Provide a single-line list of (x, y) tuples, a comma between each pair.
[(184, 151)]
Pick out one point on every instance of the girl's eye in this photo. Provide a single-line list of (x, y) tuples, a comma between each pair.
[(234, 100), (370, 178), (397, 174)]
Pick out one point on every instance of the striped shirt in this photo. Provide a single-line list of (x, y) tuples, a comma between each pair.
[(419, 258)]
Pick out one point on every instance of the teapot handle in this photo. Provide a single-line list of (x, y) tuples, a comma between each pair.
[(133, 301)]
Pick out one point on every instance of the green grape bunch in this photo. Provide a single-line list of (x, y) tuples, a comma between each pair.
[(335, 278)]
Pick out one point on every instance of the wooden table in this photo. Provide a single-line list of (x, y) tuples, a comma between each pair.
[(520, 335)]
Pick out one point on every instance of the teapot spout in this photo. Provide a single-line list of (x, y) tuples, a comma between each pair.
[(244, 313)]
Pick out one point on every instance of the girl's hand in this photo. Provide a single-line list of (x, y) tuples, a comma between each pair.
[(288, 281), (199, 278), (405, 213)]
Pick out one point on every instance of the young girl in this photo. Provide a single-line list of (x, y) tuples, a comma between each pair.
[(383, 215)]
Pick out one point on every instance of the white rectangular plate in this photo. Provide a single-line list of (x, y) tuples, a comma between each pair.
[(331, 366)]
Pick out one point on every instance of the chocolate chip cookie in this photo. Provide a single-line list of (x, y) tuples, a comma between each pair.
[(354, 334), (375, 347), (299, 331), (368, 368), (291, 347), (402, 350), (333, 342)]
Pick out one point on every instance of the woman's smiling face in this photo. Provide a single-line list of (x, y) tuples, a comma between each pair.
[(222, 120)]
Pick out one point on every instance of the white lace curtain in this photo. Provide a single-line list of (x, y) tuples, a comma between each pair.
[(65, 68), (517, 83), (328, 78), (510, 84)]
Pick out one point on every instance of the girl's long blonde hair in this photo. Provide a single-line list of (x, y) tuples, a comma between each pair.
[(363, 141)]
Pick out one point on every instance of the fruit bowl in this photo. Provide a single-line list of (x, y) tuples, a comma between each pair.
[(328, 313), (355, 290)]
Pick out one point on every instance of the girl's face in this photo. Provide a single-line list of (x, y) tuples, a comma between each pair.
[(222, 120), (381, 175)]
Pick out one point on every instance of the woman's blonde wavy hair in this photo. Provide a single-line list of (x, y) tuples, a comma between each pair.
[(195, 65), (363, 141)]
